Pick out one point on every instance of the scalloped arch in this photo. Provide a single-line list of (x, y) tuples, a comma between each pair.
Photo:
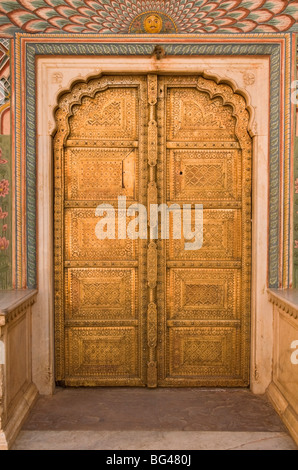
[(227, 89)]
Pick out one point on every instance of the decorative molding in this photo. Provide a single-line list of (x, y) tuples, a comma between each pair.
[(286, 305), (152, 143), (151, 199), (152, 325), (124, 16), (33, 46), (248, 78), (17, 308), (152, 265), (57, 77)]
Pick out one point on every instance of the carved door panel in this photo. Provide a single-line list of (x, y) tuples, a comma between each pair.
[(204, 294), (149, 312), (100, 313)]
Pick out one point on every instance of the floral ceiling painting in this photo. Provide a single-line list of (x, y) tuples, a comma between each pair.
[(131, 16)]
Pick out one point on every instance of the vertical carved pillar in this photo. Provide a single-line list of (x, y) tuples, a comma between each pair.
[(152, 247)]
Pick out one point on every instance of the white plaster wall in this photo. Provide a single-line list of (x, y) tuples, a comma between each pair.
[(250, 74)]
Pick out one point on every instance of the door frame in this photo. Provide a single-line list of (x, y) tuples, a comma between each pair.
[(261, 314)]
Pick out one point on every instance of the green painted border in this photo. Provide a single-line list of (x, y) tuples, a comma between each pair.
[(94, 48), (5, 203)]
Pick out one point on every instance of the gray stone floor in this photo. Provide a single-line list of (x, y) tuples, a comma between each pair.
[(159, 419)]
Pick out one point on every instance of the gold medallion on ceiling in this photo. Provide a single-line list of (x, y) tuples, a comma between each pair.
[(152, 22)]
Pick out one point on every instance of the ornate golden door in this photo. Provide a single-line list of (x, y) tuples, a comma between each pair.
[(148, 312)]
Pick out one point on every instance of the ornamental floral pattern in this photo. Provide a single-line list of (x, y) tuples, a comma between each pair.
[(5, 169), (4, 187), (5, 211), (111, 16)]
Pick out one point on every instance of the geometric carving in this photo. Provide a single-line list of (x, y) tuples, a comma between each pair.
[(193, 116), (82, 244), (111, 114), (249, 78), (101, 294), (151, 196), (221, 237), (204, 175), (152, 325), (152, 265), (152, 374), (207, 174), (101, 352), (152, 143), (152, 89), (99, 174), (204, 294), (204, 352)]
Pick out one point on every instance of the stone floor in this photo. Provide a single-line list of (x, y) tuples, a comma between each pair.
[(159, 419)]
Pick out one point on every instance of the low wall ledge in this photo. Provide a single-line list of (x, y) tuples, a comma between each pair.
[(285, 299), (13, 302)]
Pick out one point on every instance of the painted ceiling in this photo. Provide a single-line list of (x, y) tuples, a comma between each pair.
[(129, 16)]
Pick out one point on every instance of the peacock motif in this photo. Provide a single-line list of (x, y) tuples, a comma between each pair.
[(182, 16)]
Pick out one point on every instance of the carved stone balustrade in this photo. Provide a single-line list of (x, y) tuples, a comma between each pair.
[(17, 391), (283, 390)]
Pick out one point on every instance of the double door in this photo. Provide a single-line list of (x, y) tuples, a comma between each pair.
[(145, 311)]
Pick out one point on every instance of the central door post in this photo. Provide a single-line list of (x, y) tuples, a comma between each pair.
[(152, 247)]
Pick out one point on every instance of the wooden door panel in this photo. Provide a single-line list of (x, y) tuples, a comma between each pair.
[(204, 311), (193, 117), (110, 115), (101, 355), (221, 238), (101, 296), (100, 174), (203, 355), (203, 294), (204, 174), (81, 243)]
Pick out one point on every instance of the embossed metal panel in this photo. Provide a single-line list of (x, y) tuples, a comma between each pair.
[(209, 174), (204, 294), (222, 231), (101, 299), (81, 244), (106, 172), (149, 312)]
